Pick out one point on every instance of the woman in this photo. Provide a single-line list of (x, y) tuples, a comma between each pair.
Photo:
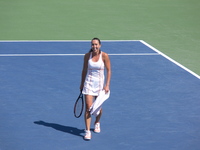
[(92, 81)]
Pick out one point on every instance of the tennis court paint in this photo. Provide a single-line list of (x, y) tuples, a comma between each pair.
[(145, 43)]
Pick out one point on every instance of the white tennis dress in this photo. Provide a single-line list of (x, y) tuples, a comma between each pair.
[(94, 80)]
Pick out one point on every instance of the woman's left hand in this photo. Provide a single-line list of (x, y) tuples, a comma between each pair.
[(107, 89)]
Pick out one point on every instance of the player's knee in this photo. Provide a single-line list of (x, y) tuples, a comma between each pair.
[(87, 110)]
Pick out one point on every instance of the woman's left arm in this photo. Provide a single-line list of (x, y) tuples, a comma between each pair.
[(108, 71)]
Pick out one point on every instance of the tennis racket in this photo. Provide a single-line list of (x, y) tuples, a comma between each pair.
[(78, 106)]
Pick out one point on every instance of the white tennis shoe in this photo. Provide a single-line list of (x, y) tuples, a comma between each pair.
[(87, 135), (97, 128)]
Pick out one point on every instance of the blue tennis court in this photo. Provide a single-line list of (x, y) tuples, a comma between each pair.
[(154, 102)]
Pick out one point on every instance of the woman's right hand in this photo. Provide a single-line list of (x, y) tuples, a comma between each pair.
[(81, 87)]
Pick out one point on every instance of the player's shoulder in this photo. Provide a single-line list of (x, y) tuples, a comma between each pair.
[(104, 54), (87, 56)]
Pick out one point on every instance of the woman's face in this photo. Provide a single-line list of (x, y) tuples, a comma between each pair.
[(95, 45)]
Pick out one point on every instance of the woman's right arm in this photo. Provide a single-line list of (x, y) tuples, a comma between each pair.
[(84, 70)]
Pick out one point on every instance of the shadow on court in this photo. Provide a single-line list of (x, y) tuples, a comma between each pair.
[(67, 129)]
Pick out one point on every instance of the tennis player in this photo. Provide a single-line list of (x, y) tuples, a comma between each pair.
[(92, 81)]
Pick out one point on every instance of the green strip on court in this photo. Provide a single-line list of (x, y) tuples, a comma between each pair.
[(172, 26)]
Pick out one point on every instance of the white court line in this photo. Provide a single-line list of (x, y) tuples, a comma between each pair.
[(135, 54), (32, 55), (159, 53), (170, 59), (7, 41), (35, 55)]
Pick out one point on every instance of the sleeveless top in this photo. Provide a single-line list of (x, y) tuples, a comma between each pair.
[(94, 80)]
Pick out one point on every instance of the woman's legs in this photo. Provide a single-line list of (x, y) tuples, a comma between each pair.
[(88, 104), (97, 123), (98, 117)]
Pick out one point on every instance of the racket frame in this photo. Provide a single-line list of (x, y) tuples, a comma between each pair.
[(80, 97)]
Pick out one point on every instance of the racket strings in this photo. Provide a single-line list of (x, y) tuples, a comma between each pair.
[(78, 108)]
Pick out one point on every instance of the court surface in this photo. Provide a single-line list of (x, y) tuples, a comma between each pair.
[(154, 102)]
